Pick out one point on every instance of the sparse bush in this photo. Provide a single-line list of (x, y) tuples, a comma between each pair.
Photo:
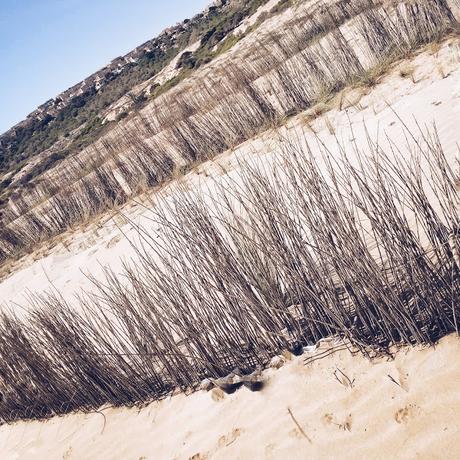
[(186, 61)]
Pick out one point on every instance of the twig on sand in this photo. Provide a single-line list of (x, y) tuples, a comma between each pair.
[(345, 381), (299, 427), (324, 354), (105, 420), (395, 382)]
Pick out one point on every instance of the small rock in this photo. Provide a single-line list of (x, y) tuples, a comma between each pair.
[(310, 348), (229, 384), (217, 394), (176, 391), (296, 348), (206, 385), (277, 362), (254, 381)]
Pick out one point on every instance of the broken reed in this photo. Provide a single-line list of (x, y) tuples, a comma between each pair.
[(287, 72), (359, 245)]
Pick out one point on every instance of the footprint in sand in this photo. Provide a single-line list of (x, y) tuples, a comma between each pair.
[(67, 454), (344, 425), (295, 433), (229, 438), (404, 414), (403, 378), (198, 456), (269, 449)]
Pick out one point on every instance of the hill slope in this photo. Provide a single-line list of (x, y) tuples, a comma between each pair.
[(299, 186), (80, 114), (287, 61)]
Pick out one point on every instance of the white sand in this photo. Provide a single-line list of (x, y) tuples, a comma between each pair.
[(251, 20), (376, 418)]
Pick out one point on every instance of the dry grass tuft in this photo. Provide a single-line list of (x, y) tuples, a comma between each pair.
[(285, 75), (365, 249)]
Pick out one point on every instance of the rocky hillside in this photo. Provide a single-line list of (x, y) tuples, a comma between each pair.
[(79, 115)]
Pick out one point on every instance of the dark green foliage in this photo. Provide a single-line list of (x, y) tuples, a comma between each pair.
[(160, 89), (5, 183), (186, 61), (281, 6), (121, 116), (222, 26)]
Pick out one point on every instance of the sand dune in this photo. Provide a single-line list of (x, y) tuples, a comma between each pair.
[(432, 97), (394, 409), (340, 407)]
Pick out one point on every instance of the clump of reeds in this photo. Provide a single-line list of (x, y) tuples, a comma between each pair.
[(286, 73), (357, 245)]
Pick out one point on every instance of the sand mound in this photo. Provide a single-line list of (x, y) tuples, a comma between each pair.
[(341, 406)]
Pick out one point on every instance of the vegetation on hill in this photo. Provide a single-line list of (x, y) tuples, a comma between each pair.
[(183, 127), (40, 134), (283, 260)]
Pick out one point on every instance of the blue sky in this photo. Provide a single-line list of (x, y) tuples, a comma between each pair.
[(46, 46)]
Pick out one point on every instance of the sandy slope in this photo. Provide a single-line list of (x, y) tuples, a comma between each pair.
[(432, 95), (375, 418), (406, 408)]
